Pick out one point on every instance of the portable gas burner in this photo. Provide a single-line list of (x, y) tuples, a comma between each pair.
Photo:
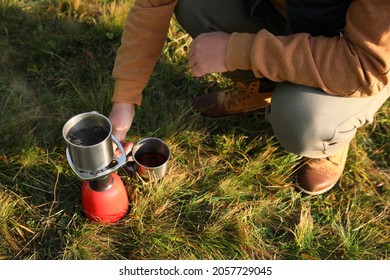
[(90, 155)]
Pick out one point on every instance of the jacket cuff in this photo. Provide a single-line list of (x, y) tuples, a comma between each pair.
[(126, 92), (238, 51)]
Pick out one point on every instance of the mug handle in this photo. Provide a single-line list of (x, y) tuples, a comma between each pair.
[(88, 176), (122, 159)]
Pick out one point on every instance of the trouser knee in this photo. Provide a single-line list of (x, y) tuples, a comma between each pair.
[(308, 122), (201, 16), (191, 17), (294, 123)]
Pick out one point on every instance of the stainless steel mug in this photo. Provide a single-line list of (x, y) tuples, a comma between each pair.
[(149, 158), (89, 145)]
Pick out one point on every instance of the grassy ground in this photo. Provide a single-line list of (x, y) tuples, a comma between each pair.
[(230, 189)]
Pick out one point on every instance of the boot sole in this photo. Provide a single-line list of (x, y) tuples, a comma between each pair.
[(317, 192)]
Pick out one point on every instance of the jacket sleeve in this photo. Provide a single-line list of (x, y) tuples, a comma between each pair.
[(355, 64), (142, 41)]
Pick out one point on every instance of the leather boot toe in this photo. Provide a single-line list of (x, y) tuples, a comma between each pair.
[(318, 176)]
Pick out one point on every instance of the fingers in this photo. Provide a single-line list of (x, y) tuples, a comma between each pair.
[(207, 54), (200, 55), (193, 67), (121, 136), (196, 72), (192, 60), (126, 146), (121, 117)]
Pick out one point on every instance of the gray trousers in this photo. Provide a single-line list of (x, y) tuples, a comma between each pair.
[(306, 121)]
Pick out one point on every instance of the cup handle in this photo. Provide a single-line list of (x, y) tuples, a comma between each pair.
[(122, 159)]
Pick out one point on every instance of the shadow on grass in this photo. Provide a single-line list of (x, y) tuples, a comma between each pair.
[(52, 67)]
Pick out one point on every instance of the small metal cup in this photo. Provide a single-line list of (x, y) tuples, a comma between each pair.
[(149, 158), (89, 146)]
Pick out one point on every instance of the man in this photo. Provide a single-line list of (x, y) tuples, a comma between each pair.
[(329, 60)]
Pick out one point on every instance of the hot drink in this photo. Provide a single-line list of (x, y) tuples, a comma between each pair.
[(151, 159), (87, 136)]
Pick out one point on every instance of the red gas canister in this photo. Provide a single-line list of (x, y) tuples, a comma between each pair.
[(105, 205)]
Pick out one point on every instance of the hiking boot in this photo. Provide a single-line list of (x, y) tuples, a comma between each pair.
[(319, 175), (241, 99)]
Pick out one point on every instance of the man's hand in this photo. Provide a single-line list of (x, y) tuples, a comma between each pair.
[(121, 117), (208, 53)]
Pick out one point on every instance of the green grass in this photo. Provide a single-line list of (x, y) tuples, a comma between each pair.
[(229, 193)]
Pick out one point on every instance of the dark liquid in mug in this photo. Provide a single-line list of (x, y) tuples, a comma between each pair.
[(151, 159), (87, 136)]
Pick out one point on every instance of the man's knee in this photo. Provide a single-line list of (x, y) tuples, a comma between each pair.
[(190, 16), (203, 16), (297, 121), (312, 123)]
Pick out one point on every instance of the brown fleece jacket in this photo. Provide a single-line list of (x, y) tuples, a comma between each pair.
[(354, 64)]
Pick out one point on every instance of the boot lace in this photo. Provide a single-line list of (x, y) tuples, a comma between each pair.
[(241, 91)]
